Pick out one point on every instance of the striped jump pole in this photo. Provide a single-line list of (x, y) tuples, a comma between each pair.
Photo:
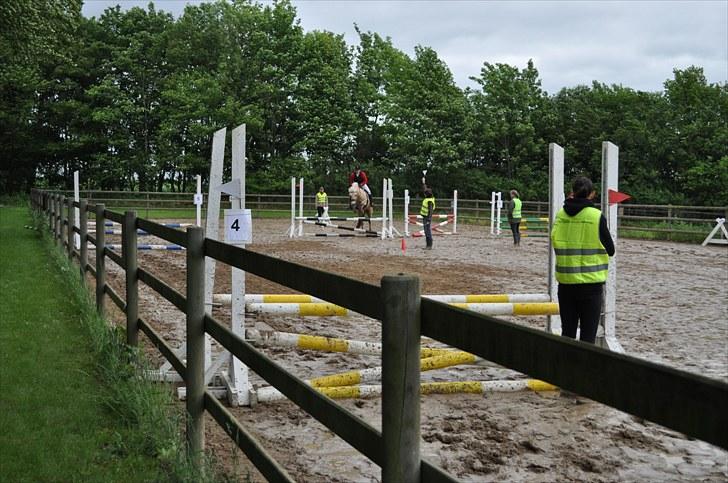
[(326, 344), (224, 299), (463, 387), (327, 309), (322, 309), (169, 225), (545, 308), (351, 378), (491, 298), (118, 232), (117, 246)]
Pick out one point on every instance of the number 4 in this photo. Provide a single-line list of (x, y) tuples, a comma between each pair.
[(235, 226)]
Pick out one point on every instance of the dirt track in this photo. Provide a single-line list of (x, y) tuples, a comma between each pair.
[(671, 308)]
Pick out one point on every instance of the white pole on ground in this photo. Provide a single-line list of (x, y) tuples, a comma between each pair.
[(238, 388), (198, 202), (454, 212), (610, 181), (212, 223), (76, 212), (492, 212), (300, 206), (406, 212), (556, 200)]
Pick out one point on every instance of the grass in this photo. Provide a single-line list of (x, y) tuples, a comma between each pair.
[(74, 407)]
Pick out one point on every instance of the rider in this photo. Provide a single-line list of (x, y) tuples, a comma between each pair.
[(360, 176)]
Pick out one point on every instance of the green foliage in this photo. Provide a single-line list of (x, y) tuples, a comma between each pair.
[(132, 100)]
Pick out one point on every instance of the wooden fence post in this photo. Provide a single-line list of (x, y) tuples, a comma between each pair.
[(69, 232), (49, 211), (100, 259), (195, 373), (129, 254), (83, 249), (58, 221), (401, 379)]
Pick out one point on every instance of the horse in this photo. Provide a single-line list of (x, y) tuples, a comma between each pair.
[(360, 203)]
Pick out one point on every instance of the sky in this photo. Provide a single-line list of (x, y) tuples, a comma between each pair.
[(633, 43)]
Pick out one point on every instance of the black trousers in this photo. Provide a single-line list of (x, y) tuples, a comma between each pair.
[(427, 226), (516, 229), (580, 306), (320, 211)]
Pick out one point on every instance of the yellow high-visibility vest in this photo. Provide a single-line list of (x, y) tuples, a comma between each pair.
[(516, 208), (580, 255), (321, 199), (424, 210)]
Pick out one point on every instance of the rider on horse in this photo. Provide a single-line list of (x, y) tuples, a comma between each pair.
[(360, 176)]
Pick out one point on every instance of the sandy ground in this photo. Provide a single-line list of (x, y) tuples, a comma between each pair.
[(671, 308)]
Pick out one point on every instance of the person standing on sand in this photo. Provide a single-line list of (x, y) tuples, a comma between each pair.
[(322, 202), (426, 212), (582, 244), (514, 216)]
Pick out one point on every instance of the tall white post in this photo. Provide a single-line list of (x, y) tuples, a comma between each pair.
[(292, 231), (300, 206), (198, 202), (212, 223), (390, 204), (610, 181), (455, 212), (492, 212), (238, 388), (556, 200), (384, 208), (406, 212), (76, 212)]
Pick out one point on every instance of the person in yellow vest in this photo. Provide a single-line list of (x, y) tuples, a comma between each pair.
[(322, 202), (426, 211), (582, 244), (514, 216)]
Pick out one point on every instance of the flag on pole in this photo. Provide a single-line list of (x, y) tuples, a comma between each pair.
[(616, 197)]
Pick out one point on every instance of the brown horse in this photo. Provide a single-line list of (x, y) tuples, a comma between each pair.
[(360, 203)]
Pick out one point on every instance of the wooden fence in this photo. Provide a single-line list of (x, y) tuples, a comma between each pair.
[(689, 403), (668, 221)]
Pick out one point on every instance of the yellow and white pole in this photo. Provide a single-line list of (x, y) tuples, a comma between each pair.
[(465, 387), (326, 344), (550, 308)]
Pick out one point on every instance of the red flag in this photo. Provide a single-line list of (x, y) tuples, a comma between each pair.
[(404, 246), (616, 197)]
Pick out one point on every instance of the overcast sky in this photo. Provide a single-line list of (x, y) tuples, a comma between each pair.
[(633, 43)]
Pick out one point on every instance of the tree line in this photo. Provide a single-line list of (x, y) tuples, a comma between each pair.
[(131, 99)]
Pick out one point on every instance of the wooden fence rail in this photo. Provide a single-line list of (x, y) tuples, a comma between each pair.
[(667, 220), (690, 403)]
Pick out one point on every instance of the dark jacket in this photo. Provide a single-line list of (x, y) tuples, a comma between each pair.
[(572, 206)]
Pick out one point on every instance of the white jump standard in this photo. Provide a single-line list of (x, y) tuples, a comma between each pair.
[(325, 221), (416, 219)]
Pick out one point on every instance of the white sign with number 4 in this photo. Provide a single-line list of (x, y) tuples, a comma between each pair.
[(238, 227)]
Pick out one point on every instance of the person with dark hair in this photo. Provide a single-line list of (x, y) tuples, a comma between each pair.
[(582, 244), (360, 177), (513, 211), (426, 212)]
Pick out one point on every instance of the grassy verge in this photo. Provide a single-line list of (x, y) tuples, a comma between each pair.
[(74, 405)]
